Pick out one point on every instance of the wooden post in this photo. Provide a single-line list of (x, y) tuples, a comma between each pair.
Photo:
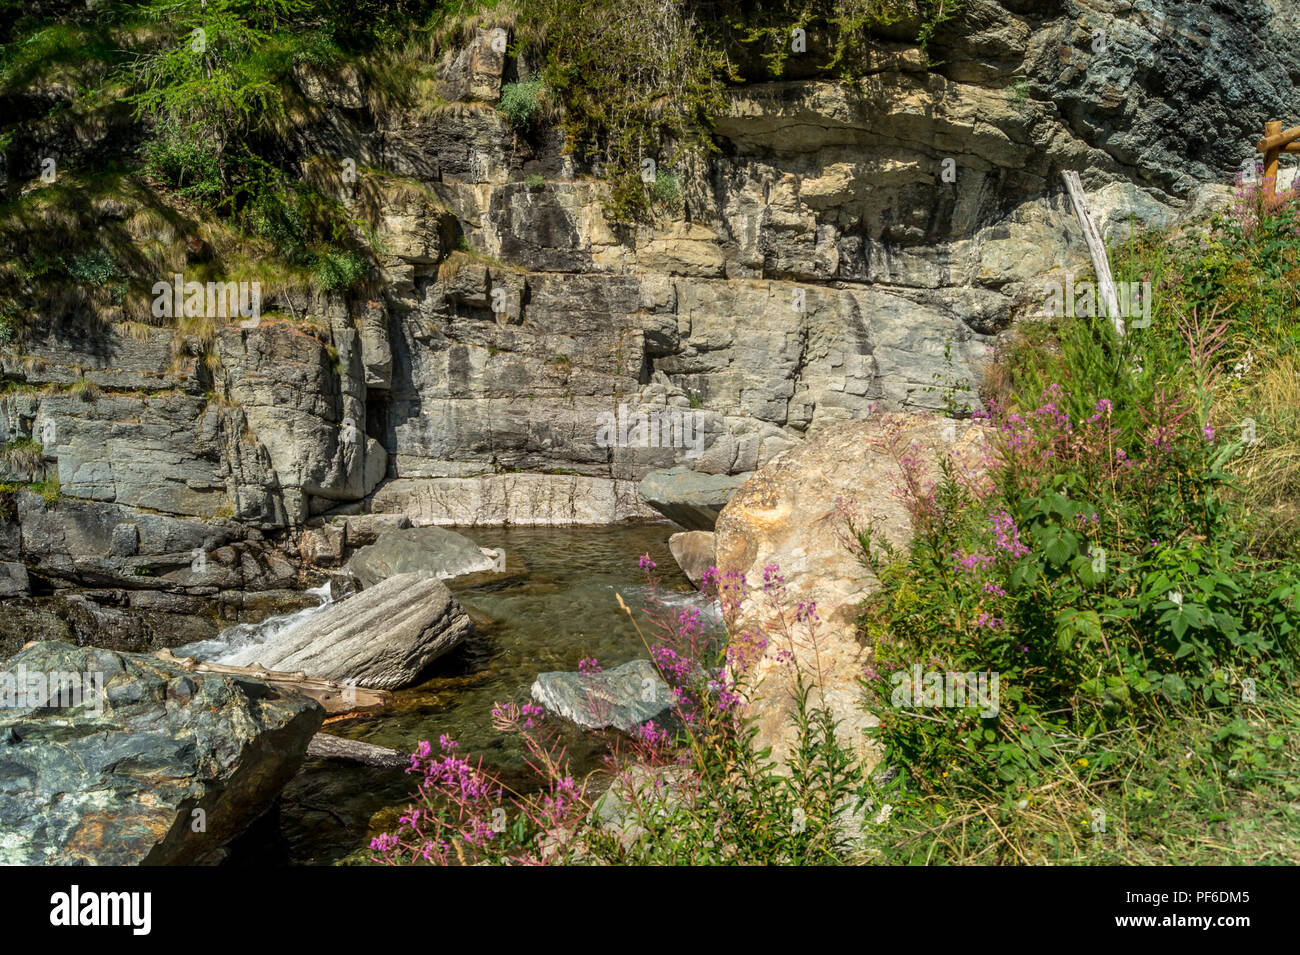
[(1271, 129), (1096, 249)]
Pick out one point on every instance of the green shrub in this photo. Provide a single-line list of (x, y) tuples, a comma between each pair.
[(9, 327), (340, 271), (95, 267), (522, 101), (185, 164), (667, 188), (1099, 561)]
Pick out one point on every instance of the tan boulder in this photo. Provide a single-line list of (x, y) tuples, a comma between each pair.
[(795, 512), (693, 551)]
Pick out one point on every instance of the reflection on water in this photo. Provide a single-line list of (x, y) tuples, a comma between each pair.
[(548, 617)]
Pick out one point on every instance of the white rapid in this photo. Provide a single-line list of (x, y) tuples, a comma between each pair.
[(237, 645)]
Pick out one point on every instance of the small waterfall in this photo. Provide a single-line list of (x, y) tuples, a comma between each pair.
[(231, 645)]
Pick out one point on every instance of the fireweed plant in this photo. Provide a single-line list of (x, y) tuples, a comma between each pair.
[(692, 788), (1099, 560)]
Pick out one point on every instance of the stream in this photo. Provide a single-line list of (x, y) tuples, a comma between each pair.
[(554, 606)]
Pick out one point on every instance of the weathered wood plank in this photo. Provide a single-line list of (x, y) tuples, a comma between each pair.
[(1096, 249), (1275, 137), (336, 698), (328, 746)]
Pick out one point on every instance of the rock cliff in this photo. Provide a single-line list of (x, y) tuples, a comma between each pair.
[(852, 242)]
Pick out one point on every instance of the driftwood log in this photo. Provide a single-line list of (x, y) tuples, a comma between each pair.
[(339, 699), (1096, 249), (328, 746)]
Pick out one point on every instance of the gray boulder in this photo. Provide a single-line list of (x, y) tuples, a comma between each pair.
[(147, 764), (444, 553), (688, 497), (13, 580), (624, 697), (384, 637)]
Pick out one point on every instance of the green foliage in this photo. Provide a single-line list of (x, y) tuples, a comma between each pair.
[(185, 164), (95, 267), (523, 101), (626, 92), (340, 271), (48, 489), (1099, 561), (845, 28), (216, 78), (741, 808), (9, 325), (667, 188)]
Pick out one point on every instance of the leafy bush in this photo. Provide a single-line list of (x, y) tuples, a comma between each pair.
[(1099, 560), (9, 328), (95, 267), (186, 164), (667, 188), (522, 101), (340, 271)]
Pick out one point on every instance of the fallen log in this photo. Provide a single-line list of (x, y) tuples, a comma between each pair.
[(328, 746), (337, 698)]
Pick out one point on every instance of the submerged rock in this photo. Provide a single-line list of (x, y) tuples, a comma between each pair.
[(148, 764), (443, 553), (688, 497), (384, 637), (693, 551), (624, 697)]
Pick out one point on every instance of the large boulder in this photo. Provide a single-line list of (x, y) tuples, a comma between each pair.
[(693, 551), (795, 513), (444, 553), (624, 697), (384, 637), (148, 763), (690, 498)]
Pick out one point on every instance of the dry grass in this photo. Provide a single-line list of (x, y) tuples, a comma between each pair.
[(1157, 794), (1268, 471)]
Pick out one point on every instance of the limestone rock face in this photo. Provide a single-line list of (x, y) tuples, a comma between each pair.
[(147, 764), (795, 514), (854, 245), (384, 637)]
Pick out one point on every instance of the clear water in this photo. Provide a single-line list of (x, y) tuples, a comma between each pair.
[(559, 610)]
